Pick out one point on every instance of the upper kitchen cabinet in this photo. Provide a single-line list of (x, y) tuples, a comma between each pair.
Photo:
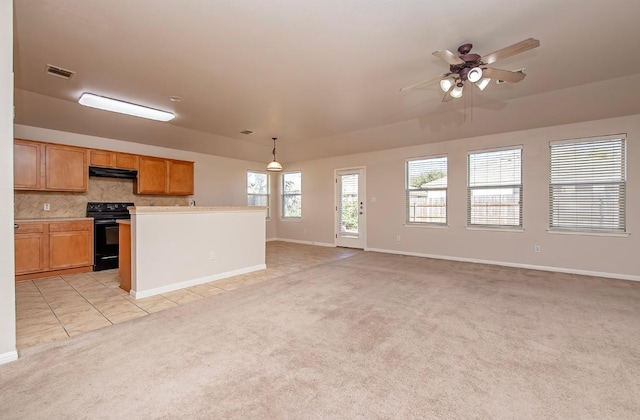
[(157, 176), (66, 168), (180, 177), (152, 176), (49, 167), (107, 159), (27, 165)]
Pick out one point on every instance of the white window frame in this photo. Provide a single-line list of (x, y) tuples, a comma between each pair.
[(268, 194), (284, 195), (425, 189), (586, 182), (497, 185)]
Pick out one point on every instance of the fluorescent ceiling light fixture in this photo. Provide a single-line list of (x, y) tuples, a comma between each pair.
[(114, 105)]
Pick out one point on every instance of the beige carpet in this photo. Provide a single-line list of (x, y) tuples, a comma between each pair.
[(371, 336)]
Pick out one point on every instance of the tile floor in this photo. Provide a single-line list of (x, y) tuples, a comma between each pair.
[(60, 307)]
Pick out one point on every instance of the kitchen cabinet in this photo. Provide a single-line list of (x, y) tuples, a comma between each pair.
[(152, 176), (49, 167), (66, 168), (180, 178), (40, 166), (70, 244), (48, 248), (29, 247), (27, 165), (107, 159), (157, 176)]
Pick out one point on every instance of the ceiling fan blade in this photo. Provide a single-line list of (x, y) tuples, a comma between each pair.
[(423, 83), (506, 75), (448, 57), (517, 48)]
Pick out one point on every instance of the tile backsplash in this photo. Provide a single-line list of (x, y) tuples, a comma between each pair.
[(30, 204)]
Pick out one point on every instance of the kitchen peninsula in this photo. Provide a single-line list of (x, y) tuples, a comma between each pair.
[(177, 247)]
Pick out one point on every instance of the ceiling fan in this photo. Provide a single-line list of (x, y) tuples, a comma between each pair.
[(471, 67)]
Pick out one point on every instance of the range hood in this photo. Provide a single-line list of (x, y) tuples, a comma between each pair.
[(112, 172)]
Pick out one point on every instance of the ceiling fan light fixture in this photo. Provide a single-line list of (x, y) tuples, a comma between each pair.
[(474, 74), (483, 83), (456, 92), (446, 84)]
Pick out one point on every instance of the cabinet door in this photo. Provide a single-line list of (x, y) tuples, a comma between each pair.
[(180, 177), (66, 168), (102, 158), (70, 244), (126, 161), (26, 166), (152, 176), (30, 248)]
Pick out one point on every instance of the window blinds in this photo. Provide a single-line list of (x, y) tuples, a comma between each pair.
[(587, 190)]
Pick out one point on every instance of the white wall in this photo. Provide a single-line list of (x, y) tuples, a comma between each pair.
[(604, 255), (171, 246), (7, 282), (218, 181)]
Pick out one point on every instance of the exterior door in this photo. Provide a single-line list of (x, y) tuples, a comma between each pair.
[(350, 208)]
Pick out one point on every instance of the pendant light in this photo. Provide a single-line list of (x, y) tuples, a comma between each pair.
[(274, 166)]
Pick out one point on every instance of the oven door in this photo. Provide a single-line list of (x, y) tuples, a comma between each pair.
[(106, 244)]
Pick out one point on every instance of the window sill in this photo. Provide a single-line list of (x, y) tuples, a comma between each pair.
[(496, 229), (425, 225), (581, 233), (291, 219)]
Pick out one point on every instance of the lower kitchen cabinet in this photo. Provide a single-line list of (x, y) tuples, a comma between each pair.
[(50, 248), (29, 247), (70, 244)]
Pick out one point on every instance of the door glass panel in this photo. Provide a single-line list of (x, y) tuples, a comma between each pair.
[(348, 205)]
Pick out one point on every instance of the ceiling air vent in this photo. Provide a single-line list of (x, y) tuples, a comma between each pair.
[(246, 132), (59, 72)]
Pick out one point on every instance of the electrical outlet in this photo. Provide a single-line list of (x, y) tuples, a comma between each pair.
[(536, 248), (398, 238), (212, 255), (47, 207)]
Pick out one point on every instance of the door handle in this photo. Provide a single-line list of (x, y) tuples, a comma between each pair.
[(16, 226)]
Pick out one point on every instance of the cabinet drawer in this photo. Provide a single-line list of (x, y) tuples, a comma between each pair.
[(29, 228), (85, 225)]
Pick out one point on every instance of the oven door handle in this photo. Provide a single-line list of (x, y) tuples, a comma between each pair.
[(105, 222)]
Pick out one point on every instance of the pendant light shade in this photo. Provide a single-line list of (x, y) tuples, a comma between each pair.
[(456, 92), (274, 166), (474, 74), (446, 84)]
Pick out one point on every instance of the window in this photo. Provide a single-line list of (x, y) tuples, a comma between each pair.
[(494, 197), (292, 195), (258, 189), (587, 186), (426, 190)]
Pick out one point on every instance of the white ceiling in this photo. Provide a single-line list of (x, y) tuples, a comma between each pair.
[(319, 75)]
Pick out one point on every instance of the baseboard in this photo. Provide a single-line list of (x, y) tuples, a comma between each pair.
[(515, 265), (272, 239), (9, 356), (194, 282), (296, 241)]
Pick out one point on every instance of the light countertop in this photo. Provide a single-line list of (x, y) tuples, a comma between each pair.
[(54, 219), (195, 209)]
